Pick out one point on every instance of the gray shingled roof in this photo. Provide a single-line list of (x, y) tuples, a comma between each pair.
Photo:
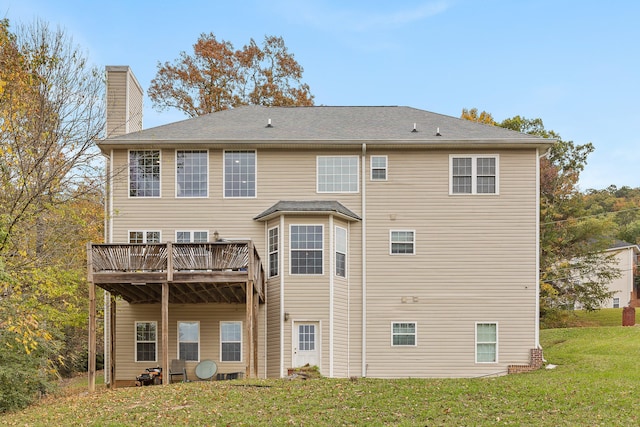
[(307, 206), (301, 124), (619, 244)]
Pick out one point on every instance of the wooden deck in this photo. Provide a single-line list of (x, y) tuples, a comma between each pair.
[(196, 272), (177, 273)]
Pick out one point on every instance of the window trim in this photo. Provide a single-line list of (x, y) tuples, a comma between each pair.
[(337, 251), (129, 174), (275, 252), (391, 242), (487, 342), (241, 341), (191, 233), (415, 333), (206, 152), (474, 174), (615, 302), (321, 250), (136, 342), (224, 174), (386, 168), (178, 339), (144, 236), (357, 175)]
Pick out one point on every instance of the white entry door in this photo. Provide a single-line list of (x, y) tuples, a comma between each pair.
[(305, 344)]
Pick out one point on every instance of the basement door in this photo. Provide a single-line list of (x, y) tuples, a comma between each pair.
[(305, 344)]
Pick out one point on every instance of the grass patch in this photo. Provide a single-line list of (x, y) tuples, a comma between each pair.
[(594, 384), (583, 318)]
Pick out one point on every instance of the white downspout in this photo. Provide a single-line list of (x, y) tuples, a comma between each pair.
[(281, 271), (348, 302), (331, 293), (364, 261), (537, 314)]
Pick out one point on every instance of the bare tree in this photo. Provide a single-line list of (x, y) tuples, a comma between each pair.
[(51, 110)]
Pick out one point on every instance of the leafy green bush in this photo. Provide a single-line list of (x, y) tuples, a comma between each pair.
[(23, 376)]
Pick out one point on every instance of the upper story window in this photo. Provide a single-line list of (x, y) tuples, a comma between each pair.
[(192, 236), (239, 174), (337, 174), (144, 173), (306, 249), (192, 167), (378, 168), (473, 174), (144, 237), (274, 243), (341, 251), (403, 334), (403, 242)]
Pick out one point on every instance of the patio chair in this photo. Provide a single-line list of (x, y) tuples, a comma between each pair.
[(177, 367)]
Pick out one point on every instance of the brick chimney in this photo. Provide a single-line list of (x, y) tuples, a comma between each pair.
[(124, 101)]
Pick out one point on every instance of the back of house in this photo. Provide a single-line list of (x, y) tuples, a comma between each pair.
[(395, 242)]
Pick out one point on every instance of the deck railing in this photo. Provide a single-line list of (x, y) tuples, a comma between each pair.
[(182, 257), (185, 256)]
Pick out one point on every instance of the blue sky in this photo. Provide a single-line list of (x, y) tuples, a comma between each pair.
[(574, 64)]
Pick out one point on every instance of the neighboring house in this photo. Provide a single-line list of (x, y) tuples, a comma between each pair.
[(625, 295), (369, 241)]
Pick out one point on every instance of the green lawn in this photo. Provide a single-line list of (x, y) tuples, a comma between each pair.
[(596, 382)]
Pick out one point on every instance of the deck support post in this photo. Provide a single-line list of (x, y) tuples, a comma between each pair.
[(112, 341), (165, 333), (92, 323), (249, 321)]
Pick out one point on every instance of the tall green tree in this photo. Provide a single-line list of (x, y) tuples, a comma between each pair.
[(218, 77)]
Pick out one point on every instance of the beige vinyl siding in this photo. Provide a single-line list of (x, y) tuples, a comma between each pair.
[(209, 316), (475, 258), (274, 320), (474, 262)]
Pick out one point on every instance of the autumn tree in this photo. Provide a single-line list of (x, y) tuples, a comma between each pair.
[(480, 117), (218, 77), (573, 267), (51, 111)]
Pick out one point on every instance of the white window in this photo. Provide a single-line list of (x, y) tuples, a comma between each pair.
[(239, 174), (231, 341), (306, 249), (486, 342), (473, 174), (274, 259), (143, 236), (403, 334), (337, 174), (616, 303), (192, 236), (341, 252), (144, 173), (378, 168), (189, 341), (192, 173), (403, 242), (146, 341)]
